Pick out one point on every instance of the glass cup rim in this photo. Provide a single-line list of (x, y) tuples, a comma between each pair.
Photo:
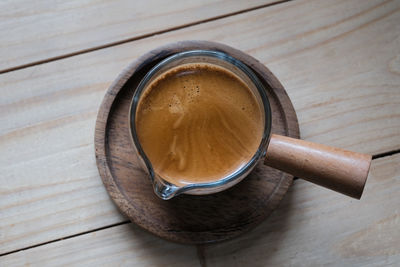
[(261, 150)]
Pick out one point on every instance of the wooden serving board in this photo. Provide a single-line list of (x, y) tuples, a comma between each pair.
[(186, 218)]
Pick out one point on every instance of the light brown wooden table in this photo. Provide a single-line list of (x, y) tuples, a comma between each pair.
[(339, 61)]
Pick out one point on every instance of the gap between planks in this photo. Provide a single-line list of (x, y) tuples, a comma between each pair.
[(201, 256), (200, 248), (143, 36), (67, 237), (385, 154)]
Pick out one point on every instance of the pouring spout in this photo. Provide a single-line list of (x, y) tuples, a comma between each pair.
[(165, 190)]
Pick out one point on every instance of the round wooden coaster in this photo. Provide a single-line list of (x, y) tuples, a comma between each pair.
[(186, 218)]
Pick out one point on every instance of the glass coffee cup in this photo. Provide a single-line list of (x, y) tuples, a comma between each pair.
[(334, 168)]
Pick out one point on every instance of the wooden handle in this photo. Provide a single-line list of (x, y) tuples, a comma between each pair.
[(337, 169)]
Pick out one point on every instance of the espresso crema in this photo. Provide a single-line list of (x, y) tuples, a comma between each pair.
[(198, 123)]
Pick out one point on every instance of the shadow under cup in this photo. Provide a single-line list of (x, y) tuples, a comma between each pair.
[(163, 188)]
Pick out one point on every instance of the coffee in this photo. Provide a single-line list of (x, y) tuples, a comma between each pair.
[(198, 123)]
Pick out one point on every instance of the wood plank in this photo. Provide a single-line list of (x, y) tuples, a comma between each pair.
[(34, 31), (48, 178), (124, 245), (314, 227)]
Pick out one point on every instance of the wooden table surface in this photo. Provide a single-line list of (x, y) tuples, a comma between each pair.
[(339, 61)]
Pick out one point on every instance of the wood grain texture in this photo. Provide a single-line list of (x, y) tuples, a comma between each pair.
[(340, 170), (313, 227), (124, 245), (345, 94), (35, 31), (187, 219)]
